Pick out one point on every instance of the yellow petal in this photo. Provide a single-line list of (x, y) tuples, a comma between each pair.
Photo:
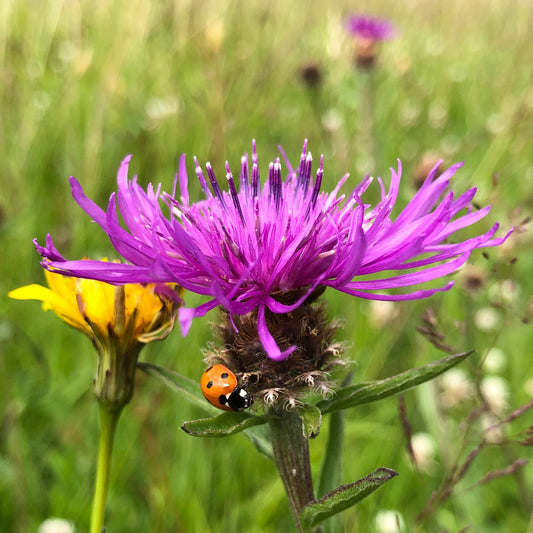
[(144, 303), (32, 292), (98, 301), (66, 309), (63, 286), (91, 306)]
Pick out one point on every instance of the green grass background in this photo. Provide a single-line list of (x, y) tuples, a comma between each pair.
[(85, 83)]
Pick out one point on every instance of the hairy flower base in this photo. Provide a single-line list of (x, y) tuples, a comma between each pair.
[(281, 384)]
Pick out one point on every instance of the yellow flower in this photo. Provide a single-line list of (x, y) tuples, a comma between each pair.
[(119, 320)]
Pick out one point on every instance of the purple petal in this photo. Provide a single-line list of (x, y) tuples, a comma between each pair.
[(268, 342), (240, 249)]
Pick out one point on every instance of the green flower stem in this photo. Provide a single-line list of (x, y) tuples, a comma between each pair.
[(291, 455), (366, 134), (108, 424)]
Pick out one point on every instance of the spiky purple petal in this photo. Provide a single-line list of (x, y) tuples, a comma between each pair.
[(243, 248), (370, 27)]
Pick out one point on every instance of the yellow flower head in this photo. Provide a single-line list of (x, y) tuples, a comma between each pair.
[(118, 319), (100, 310)]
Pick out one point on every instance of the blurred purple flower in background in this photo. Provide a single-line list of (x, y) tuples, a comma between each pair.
[(269, 247), (367, 32), (370, 28)]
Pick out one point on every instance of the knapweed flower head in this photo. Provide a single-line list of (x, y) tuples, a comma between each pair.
[(371, 28), (367, 32), (267, 248), (284, 384), (119, 320)]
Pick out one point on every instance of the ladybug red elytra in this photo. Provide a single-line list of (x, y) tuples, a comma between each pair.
[(219, 386)]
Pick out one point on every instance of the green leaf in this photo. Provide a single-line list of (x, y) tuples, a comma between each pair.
[(227, 423), (190, 390), (311, 420), (377, 390), (343, 497), (186, 387)]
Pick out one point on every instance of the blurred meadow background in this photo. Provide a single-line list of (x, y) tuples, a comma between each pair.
[(85, 83)]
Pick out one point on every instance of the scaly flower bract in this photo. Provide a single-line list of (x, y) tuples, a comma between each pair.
[(248, 250)]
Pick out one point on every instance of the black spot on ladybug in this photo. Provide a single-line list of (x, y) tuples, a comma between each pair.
[(224, 375), (222, 399), (209, 385)]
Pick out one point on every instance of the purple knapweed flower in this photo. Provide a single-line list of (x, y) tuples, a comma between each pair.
[(370, 28), (367, 33), (248, 249)]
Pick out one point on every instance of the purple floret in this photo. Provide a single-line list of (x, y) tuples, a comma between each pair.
[(369, 28), (244, 246)]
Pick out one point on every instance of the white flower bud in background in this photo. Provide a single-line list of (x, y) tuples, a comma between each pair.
[(455, 388), (496, 392), (423, 446), (494, 361), (494, 431), (160, 108), (332, 120), (56, 525), (382, 313), (506, 291), (389, 521), (487, 319)]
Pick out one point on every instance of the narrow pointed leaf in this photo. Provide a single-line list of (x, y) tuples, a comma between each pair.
[(230, 423), (186, 387), (227, 423), (377, 390), (343, 497), (311, 420)]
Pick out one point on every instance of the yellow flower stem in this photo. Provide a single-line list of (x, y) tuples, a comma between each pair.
[(108, 424)]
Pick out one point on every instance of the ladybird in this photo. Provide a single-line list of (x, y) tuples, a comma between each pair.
[(219, 386)]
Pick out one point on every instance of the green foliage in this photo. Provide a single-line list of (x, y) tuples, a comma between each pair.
[(361, 393), (222, 425), (343, 497), (311, 420), (86, 83), (187, 388)]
